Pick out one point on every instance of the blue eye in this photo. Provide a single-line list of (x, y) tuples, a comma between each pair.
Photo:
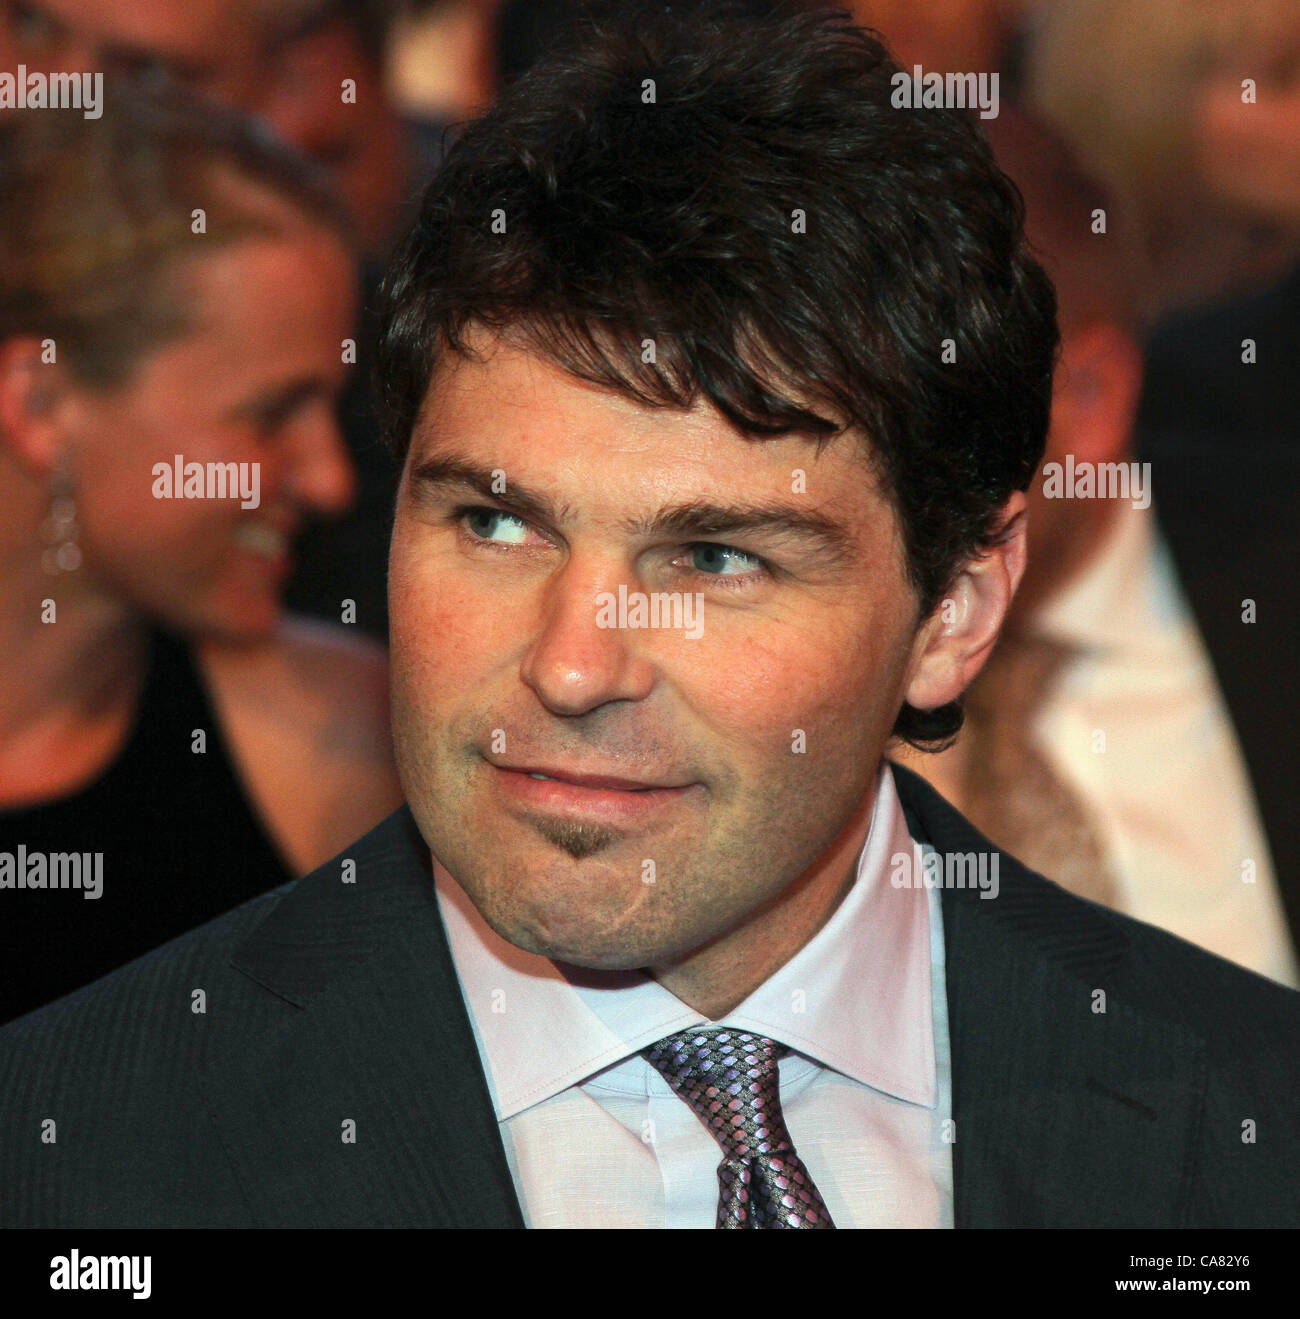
[(484, 522), (710, 559)]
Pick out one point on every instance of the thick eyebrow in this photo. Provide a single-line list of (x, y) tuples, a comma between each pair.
[(449, 471), (281, 402), (696, 520), (704, 520)]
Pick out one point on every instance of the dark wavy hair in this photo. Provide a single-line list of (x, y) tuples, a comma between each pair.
[(672, 219)]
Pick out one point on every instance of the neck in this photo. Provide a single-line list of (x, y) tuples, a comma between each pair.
[(719, 977), (68, 649), (1074, 550)]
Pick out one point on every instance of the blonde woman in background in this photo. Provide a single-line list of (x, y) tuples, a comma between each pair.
[(174, 284)]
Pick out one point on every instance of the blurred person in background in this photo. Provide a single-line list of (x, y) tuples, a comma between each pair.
[(1145, 94), (314, 70), (451, 58), (1129, 625), (1249, 153), (942, 35), (210, 46), (328, 96), (283, 60), (157, 707), (443, 54), (1153, 97), (381, 160)]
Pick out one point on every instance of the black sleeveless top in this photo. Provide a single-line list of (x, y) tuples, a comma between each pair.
[(169, 831)]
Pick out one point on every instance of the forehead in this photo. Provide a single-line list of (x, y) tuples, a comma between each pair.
[(293, 291), (513, 393), (604, 452), (526, 396), (206, 27), (506, 371), (258, 310)]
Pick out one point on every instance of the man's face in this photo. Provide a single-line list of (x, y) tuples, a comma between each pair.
[(757, 739), (212, 46), (248, 54), (360, 142)]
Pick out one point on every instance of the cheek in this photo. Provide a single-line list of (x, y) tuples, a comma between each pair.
[(821, 690), (163, 535), (161, 545), (442, 637)]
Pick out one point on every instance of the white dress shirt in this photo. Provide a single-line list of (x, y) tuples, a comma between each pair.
[(595, 1137), (1168, 787)]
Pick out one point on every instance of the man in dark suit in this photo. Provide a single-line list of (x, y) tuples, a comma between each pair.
[(1166, 601), (718, 379), (331, 1002)]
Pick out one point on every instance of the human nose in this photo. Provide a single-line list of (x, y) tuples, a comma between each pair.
[(321, 475), (577, 661)]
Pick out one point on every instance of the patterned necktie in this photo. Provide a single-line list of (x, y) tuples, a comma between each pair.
[(1011, 792), (730, 1079)]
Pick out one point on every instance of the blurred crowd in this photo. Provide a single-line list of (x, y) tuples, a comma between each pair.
[(195, 273)]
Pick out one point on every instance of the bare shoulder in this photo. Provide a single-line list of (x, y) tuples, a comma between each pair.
[(332, 661), (306, 714), (328, 684)]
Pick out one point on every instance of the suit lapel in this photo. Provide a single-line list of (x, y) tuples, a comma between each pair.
[(367, 1026), (1055, 1104)]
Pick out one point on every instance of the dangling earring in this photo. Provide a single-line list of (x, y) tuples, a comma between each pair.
[(62, 554)]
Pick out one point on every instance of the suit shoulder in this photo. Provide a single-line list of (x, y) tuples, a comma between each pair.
[(1211, 989), (1162, 970), (1247, 1151), (147, 999), (142, 994), (102, 1121), (108, 1115), (1248, 1029)]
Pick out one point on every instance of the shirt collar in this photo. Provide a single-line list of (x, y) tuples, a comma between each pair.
[(1126, 598), (855, 998)]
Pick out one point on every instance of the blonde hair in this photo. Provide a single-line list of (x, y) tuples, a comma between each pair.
[(97, 217)]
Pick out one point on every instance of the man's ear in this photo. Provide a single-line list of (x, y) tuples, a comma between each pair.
[(1097, 390), (953, 643), (30, 391)]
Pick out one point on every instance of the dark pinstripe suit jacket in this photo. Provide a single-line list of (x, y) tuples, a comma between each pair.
[(329, 1001)]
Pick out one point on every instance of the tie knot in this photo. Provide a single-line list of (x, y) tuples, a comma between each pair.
[(730, 1079)]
